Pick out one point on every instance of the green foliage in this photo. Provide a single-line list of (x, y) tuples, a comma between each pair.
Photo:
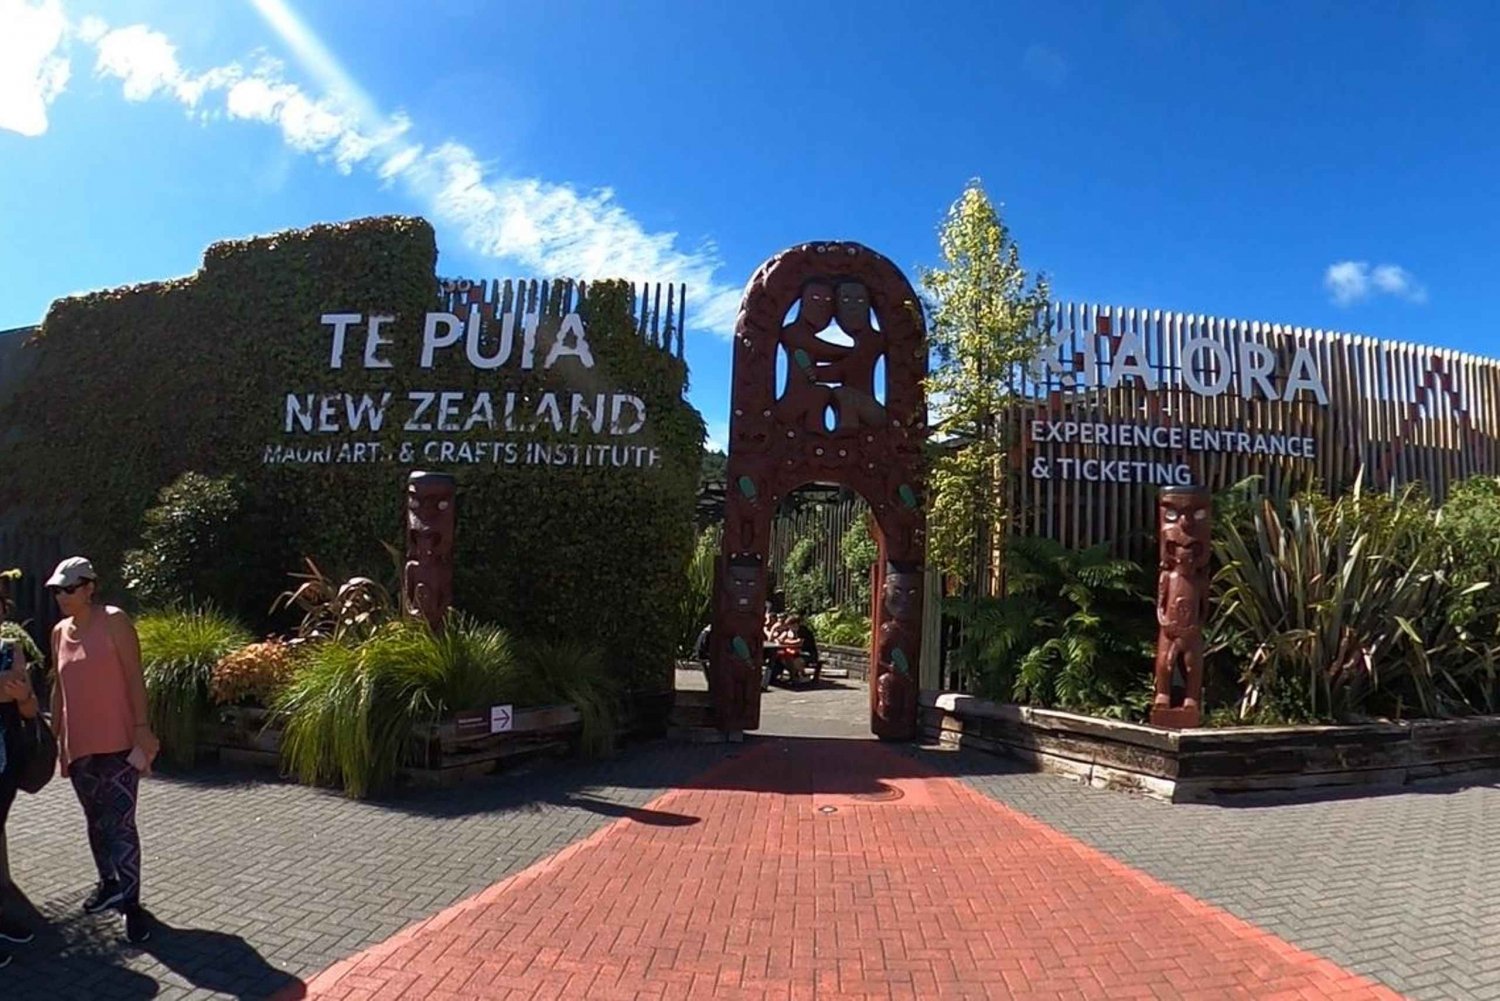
[(190, 545), (715, 468), (576, 672), (17, 634), (352, 708), (195, 371), (983, 312), (841, 627), (1074, 630), (1367, 604), (178, 651), (802, 581), (859, 551), (695, 602)]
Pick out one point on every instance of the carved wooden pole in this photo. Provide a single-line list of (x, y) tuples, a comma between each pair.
[(427, 583), (1185, 525)]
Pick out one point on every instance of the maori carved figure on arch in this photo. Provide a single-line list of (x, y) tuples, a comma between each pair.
[(828, 426)]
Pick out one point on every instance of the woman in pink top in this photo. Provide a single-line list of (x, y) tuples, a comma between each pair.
[(104, 738)]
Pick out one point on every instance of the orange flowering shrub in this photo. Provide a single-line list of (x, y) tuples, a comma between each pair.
[(255, 674)]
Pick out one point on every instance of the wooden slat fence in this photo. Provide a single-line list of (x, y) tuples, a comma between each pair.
[(657, 322), (1398, 412), (826, 522)]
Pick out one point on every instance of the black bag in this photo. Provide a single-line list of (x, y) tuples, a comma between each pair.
[(30, 746)]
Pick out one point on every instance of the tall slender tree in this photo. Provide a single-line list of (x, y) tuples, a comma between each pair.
[(983, 309)]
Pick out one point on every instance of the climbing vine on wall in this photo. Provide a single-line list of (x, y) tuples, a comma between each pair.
[(132, 387)]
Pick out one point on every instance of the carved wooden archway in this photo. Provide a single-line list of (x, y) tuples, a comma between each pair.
[(827, 425)]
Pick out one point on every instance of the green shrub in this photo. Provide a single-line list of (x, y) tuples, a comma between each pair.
[(695, 606), (189, 545), (859, 551), (841, 627), (802, 582), (1074, 630), (178, 652)]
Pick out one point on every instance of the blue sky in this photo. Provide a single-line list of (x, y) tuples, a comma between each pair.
[(1325, 164)]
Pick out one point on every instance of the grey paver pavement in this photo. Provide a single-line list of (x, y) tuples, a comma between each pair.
[(262, 882)]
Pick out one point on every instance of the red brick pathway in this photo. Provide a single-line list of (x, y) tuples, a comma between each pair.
[(837, 869)]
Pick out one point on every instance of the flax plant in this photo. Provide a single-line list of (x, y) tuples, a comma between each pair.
[(1337, 599)]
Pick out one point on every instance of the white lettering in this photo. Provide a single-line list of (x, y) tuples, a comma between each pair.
[(300, 410), (432, 340), (571, 324), (1304, 376), (1130, 360), (1220, 363), (373, 342), (340, 322), (1257, 362)]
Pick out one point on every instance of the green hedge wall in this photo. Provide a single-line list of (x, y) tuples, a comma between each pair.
[(132, 387)]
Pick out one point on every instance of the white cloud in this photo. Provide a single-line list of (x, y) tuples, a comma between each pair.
[(546, 227), (718, 436), (1395, 280), (33, 68), (1349, 282)]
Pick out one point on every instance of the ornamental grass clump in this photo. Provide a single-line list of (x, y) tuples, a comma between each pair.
[(576, 672), (252, 675), (352, 708), (179, 649)]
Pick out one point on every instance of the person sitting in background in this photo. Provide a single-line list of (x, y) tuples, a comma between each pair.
[(789, 648), (809, 643)]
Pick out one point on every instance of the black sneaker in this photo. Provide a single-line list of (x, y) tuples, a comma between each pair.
[(14, 931), (106, 895), (137, 924)]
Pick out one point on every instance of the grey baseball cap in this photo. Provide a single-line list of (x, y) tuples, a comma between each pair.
[(72, 571)]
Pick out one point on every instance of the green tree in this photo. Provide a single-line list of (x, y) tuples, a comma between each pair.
[(983, 311)]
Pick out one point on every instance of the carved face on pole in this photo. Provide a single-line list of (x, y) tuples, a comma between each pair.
[(902, 595), (1186, 529), (741, 576), (429, 514)]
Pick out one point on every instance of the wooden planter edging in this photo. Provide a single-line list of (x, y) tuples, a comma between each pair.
[(1206, 764), (451, 750), (462, 747)]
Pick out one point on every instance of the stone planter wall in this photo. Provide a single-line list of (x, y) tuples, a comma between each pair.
[(848, 661), (1209, 764)]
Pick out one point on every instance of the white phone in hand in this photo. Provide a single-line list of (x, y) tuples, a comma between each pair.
[(138, 760)]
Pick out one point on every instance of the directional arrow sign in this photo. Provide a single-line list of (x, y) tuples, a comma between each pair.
[(500, 719)]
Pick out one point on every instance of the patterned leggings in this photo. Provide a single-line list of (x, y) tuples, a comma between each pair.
[(107, 786)]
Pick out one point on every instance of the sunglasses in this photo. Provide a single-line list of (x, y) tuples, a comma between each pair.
[(70, 588)]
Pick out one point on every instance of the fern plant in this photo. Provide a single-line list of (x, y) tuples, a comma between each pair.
[(1073, 630)]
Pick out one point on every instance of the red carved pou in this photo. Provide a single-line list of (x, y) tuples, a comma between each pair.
[(427, 582), (827, 425), (1184, 518)]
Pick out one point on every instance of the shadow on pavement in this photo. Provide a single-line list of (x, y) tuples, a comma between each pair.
[(208, 960)]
